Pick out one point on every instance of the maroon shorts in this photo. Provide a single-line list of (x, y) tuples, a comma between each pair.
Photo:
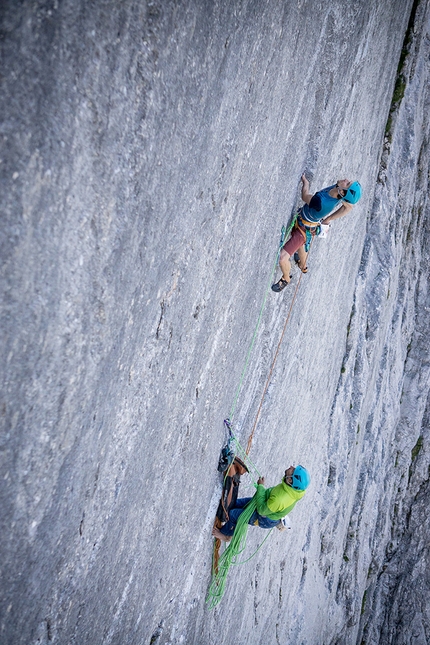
[(295, 242)]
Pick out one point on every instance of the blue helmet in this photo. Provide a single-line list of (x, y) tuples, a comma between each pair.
[(353, 193), (301, 478)]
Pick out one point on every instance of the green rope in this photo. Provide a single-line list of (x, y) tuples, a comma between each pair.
[(230, 555), (238, 541), (242, 452), (256, 550), (285, 232), (284, 235)]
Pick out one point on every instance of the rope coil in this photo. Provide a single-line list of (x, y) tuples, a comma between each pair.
[(229, 556)]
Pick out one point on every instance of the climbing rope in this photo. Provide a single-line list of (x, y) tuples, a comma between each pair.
[(244, 453), (284, 236), (222, 564), (251, 436), (229, 557)]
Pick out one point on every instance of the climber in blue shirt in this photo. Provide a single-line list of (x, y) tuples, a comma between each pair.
[(315, 211)]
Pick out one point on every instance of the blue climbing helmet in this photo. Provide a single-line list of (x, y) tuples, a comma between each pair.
[(301, 478), (353, 193)]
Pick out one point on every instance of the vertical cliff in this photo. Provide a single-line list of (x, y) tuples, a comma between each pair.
[(150, 152), (395, 602)]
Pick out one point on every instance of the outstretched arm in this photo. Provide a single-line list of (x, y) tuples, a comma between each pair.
[(306, 195)]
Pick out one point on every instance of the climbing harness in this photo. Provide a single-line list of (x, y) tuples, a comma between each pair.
[(307, 229)]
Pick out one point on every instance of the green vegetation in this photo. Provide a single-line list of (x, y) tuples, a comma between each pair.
[(388, 127), (363, 602), (348, 329), (399, 89), (401, 80), (416, 449), (414, 454)]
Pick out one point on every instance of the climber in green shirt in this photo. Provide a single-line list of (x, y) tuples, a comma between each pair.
[(272, 503)]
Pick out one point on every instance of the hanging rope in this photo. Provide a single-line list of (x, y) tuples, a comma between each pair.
[(284, 236), (275, 358), (222, 564), (230, 556)]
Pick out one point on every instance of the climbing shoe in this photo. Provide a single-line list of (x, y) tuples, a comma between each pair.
[(281, 284)]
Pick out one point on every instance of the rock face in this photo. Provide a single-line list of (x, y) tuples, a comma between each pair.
[(395, 607), (150, 153)]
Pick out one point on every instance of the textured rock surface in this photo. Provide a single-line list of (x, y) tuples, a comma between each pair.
[(396, 603), (150, 153)]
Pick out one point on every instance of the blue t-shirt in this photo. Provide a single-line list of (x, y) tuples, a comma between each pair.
[(320, 205)]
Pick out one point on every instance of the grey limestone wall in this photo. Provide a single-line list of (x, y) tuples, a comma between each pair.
[(150, 152)]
